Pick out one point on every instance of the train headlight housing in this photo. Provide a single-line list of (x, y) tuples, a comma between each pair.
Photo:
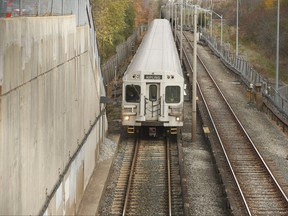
[(126, 118), (135, 76), (129, 110), (176, 112), (170, 77)]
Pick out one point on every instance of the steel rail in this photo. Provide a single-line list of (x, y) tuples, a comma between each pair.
[(125, 206), (224, 150), (217, 133), (169, 176), (247, 135), (243, 130), (132, 171)]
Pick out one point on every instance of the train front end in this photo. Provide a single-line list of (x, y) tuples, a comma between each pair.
[(153, 100)]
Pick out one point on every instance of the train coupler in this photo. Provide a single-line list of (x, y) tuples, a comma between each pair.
[(152, 131), (173, 131), (130, 129)]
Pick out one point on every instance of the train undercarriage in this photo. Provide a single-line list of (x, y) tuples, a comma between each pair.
[(151, 131)]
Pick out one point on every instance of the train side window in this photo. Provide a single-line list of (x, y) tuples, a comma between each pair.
[(133, 93), (152, 92), (172, 94)]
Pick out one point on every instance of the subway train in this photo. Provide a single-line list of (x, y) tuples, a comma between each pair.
[(153, 84)]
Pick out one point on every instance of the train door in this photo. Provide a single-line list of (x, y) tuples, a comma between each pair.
[(152, 101)]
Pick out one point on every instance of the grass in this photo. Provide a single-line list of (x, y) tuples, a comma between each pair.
[(263, 63)]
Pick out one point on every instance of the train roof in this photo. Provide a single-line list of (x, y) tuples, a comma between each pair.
[(157, 51)]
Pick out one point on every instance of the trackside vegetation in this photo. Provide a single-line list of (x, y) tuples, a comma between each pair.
[(116, 20), (257, 33)]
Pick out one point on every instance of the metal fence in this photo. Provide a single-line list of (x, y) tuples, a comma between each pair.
[(111, 68), (249, 75)]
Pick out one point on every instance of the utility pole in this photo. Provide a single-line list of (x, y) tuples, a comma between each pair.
[(237, 22), (277, 49), (194, 88), (181, 32), (211, 24), (176, 23), (172, 18)]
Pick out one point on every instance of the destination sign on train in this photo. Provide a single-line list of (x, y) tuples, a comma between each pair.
[(153, 77)]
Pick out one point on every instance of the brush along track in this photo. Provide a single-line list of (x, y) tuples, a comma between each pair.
[(258, 188)]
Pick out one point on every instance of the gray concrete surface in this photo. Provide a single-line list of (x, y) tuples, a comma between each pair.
[(97, 184), (49, 100)]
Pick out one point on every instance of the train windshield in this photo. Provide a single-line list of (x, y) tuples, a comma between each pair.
[(133, 93), (172, 94), (152, 92)]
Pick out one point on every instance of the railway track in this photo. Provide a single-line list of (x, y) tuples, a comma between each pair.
[(257, 186), (149, 181)]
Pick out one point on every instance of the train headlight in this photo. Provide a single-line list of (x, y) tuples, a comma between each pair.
[(126, 118), (178, 118), (135, 76)]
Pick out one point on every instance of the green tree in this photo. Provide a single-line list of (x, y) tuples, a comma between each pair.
[(114, 21)]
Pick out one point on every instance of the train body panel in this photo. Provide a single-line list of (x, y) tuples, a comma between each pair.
[(153, 83)]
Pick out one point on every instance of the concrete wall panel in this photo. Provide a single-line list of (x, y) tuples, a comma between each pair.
[(49, 101)]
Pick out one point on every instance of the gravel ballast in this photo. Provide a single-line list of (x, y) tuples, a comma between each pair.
[(204, 189)]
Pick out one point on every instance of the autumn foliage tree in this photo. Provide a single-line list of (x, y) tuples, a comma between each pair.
[(257, 27), (260, 26), (146, 11), (114, 20), (141, 11)]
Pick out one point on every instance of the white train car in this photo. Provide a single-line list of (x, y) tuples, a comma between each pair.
[(153, 85)]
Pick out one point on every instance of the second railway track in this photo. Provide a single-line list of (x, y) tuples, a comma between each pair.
[(259, 190)]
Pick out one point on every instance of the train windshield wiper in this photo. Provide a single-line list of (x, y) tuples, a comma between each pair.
[(136, 90)]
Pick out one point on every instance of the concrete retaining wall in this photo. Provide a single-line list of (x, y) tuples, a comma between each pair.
[(50, 99)]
